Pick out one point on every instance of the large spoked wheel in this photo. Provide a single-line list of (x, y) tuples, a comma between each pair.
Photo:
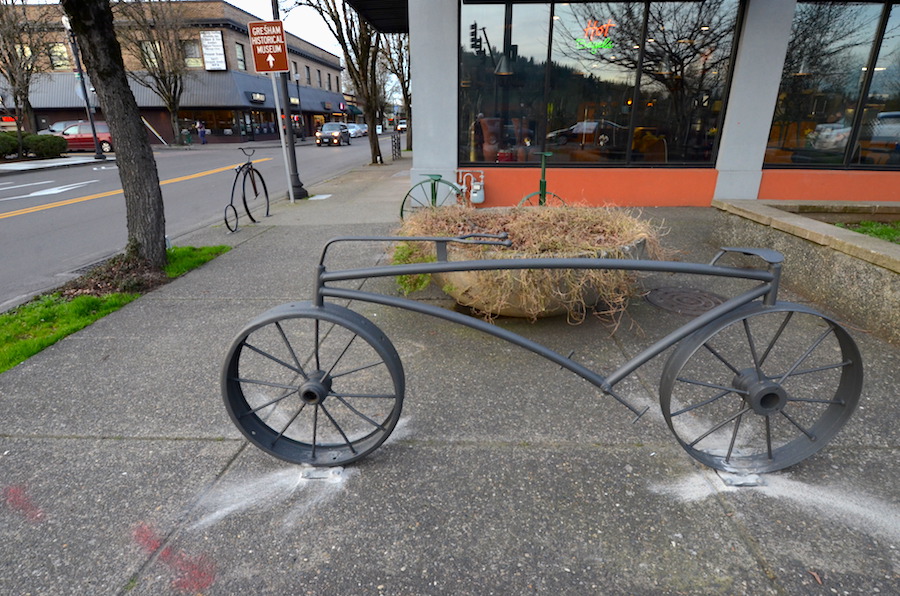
[(550, 199), (255, 193), (761, 389), (231, 218), (430, 193), (313, 385)]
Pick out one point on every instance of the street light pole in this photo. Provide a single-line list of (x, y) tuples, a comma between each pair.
[(79, 73), (299, 191)]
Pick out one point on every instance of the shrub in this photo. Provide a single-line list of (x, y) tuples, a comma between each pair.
[(46, 145), (8, 144)]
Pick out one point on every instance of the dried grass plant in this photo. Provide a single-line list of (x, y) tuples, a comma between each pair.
[(535, 232)]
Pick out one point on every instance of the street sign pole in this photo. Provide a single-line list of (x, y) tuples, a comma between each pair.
[(281, 133), (267, 43)]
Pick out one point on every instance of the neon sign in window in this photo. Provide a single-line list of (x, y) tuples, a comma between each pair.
[(596, 36)]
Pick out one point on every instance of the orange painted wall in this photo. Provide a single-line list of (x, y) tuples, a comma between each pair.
[(646, 187), (829, 185)]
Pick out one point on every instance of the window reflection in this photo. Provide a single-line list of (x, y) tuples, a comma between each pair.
[(626, 82), (825, 72), (879, 138)]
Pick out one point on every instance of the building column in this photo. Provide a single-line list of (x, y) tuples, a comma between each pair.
[(751, 103), (433, 46)]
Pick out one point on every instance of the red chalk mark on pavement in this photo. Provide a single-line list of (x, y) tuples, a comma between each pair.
[(192, 573), (16, 498)]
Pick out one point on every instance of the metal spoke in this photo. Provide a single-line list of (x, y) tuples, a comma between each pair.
[(769, 436), (817, 369), (806, 355), (290, 348), (703, 403), (721, 358), (811, 436), (315, 429), (356, 370), (372, 395), (778, 333), (265, 354), (339, 429), (264, 383), (343, 352), (812, 400), (734, 434), (756, 363), (267, 404), (717, 427), (358, 413), (712, 385), (317, 344), (286, 426)]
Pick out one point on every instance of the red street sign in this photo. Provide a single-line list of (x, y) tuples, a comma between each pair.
[(268, 46)]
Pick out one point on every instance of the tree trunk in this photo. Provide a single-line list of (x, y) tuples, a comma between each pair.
[(92, 23)]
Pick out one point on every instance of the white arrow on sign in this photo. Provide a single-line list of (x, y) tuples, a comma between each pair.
[(271, 60), (52, 191)]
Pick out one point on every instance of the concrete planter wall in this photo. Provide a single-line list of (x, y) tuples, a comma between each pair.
[(854, 276)]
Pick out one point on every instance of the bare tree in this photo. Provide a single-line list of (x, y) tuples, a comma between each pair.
[(396, 56), (92, 24), (24, 55), (685, 53), (155, 32), (360, 43)]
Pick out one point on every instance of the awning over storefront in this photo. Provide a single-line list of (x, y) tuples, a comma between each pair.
[(224, 90), (353, 110)]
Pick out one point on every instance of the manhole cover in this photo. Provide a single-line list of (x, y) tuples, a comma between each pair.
[(684, 301)]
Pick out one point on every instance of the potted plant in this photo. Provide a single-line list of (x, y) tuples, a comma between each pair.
[(535, 232)]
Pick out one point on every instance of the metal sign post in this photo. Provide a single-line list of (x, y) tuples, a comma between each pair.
[(269, 49)]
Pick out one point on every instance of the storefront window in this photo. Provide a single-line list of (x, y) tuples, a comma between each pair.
[(820, 119), (613, 83)]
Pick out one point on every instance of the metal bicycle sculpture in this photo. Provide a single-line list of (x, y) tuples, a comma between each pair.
[(542, 197), (753, 385), (431, 193), (252, 187)]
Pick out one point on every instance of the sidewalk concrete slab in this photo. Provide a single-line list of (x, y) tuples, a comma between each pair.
[(121, 472)]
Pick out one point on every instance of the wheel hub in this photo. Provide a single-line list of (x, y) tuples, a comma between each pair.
[(763, 395), (316, 388)]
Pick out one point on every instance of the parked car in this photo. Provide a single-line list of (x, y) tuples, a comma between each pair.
[(333, 133), (7, 124), (885, 127), (401, 126), (364, 128), (57, 127), (355, 130), (80, 137)]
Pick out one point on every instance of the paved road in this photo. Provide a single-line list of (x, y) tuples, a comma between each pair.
[(55, 222)]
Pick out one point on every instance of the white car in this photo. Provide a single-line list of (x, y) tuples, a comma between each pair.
[(355, 130)]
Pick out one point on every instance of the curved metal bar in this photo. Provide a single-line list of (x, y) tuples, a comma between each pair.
[(571, 263)]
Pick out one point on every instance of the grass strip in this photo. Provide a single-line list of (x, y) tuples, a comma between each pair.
[(32, 327), (889, 231)]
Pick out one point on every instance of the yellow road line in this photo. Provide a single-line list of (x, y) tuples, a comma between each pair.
[(115, 192)]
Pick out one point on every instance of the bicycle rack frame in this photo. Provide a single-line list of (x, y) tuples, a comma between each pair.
[(768, 289)]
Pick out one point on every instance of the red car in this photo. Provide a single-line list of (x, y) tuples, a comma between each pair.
[(80, 138)]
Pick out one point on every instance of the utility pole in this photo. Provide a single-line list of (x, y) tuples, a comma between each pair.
[(79, 73), (299, 191)]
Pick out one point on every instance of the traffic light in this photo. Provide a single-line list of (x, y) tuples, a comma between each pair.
[(475, 41)]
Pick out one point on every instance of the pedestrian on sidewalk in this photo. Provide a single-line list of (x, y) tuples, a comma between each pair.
[(201, 132)]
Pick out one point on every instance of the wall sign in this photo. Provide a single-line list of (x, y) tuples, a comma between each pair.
[(213, 50), (596, 36)]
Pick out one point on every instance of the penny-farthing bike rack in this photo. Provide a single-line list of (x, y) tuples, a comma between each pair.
[(753, 385)]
